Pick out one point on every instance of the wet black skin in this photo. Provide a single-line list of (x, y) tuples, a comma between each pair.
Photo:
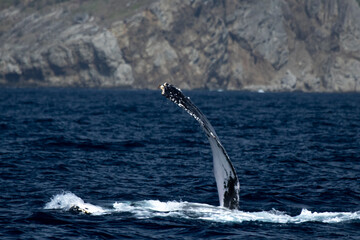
[(231, 195)]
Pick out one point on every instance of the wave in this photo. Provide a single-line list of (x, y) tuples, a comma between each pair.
[(197, 211)]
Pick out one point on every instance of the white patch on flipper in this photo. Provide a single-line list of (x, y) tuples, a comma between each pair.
[(219, 163)]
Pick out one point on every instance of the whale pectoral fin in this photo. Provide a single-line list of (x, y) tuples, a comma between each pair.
[(226, 179)]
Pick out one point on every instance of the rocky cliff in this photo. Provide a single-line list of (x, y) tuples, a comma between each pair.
[(277, 45)]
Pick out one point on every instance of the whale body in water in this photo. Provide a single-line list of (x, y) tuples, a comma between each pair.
[(227, 181)]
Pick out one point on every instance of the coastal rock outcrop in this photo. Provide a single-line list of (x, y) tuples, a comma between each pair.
[(272, 45), (63, 54)]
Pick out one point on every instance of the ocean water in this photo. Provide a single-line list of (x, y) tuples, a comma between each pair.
[(141, 168)]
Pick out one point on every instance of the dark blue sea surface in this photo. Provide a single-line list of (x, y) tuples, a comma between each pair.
[(141, 168)]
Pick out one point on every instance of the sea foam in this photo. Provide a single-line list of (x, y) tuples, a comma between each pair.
[(155, 208), (68, 201)]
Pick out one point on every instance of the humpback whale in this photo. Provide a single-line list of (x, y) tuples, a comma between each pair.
[(226, 179)]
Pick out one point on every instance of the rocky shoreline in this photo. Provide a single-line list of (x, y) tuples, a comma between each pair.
[(278, 45)]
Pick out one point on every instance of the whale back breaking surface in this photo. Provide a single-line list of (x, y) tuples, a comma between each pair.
[(226, 179)]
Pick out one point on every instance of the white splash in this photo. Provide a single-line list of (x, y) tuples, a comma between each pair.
[(68, 201), (186, 210)]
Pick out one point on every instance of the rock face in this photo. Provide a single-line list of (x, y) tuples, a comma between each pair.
[(277, 45), (62, 54)]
